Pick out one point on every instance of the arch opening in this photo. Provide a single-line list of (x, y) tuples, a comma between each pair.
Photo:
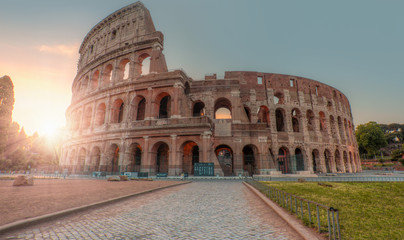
[(95, 159), (223, 109), (135, 158), (190, 157), (165, 107), (280, 120), (249, 159), (315, 159), (199, 109), (113, 160), (100, 115), (296, 120), (263, 115), (224, 155), (162, 158)]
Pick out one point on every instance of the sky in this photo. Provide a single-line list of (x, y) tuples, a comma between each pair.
[(354, 46)]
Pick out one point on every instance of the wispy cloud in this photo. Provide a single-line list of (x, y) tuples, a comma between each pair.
[(67, 50)]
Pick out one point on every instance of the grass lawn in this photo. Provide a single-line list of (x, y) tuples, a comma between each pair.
[(372, 210)]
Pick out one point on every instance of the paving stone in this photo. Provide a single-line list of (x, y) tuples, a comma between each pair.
[(200, 210)]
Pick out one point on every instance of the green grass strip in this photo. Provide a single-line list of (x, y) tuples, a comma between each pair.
[(367, 210)]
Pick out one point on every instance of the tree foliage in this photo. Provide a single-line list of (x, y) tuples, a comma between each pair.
[(370, 138), (6, 109)]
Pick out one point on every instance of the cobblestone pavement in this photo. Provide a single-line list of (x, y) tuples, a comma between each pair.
[(199, 210)]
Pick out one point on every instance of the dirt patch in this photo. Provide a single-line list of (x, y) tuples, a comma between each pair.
[(52, 195)]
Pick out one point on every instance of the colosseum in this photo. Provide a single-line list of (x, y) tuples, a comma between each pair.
[(130, 114)]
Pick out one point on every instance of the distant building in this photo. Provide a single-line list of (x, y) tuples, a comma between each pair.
[(130, 114)]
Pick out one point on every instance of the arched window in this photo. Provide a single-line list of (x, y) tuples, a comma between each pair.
[(100, 115), (120, 116), (279, 98), (165, 107), (141, 109), (296, 120), (346, 129), (94, 80), (124, 69), (87, 117), (280, 120), (107, 75), (199, 109), (223, 109), (332, 126), (263, 115), (322, 121), (84, 84), (117, 111), (310, 120), (340, 127), (144, 64)]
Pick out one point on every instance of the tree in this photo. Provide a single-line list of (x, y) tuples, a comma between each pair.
[(370, 138), (6, 110)]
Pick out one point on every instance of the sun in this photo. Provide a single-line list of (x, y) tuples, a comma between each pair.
[(49, 130)]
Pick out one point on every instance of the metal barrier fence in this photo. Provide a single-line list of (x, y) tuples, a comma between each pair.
[(332, 179), (323, 218)]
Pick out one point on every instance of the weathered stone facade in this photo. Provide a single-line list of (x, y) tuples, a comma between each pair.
[(125, 119)]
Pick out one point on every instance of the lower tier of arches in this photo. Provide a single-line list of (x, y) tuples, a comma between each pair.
[(175, 155)]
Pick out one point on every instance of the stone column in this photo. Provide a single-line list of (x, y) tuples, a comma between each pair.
[(175, 111), (149, 104), (205, 146), (174, 168), (146, 163)]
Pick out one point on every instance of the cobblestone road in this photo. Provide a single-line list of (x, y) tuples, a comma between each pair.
[(200, 210)]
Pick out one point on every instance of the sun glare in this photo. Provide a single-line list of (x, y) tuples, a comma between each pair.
[(49, 130)]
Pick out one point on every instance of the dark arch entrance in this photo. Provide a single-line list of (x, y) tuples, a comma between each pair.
[(249, 165), (299, 159), (327, 158), (224, 155), (136, 158), (113, 160), (190, 157), (283, 160), (316, 156), (162, 158)]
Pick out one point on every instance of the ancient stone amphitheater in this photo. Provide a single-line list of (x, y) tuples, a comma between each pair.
[(130, 114)]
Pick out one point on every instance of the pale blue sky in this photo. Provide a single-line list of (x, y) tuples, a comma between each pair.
[(355, 46)]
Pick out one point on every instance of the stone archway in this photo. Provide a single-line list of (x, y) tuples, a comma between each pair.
[(190, 156), (249, 159), (162, 158), (315, 158), (224, 155)]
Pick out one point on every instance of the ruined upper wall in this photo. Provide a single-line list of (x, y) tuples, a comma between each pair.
[(130, 27), (279, 83)]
